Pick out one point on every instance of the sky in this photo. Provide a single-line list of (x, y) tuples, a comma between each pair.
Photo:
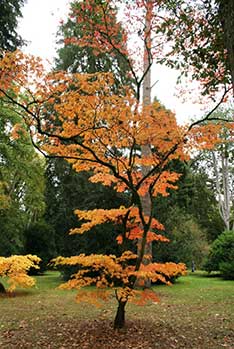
[(39, 25)]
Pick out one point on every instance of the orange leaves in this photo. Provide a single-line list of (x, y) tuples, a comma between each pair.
[(137, 233), (18, 130), (165, 182), (103, 271), (205, 136), (15, 268), (17, 71), (94, 297), (165, 272), (128, 218), (143, 297), (98, 216), (80, 118), (77, 116)]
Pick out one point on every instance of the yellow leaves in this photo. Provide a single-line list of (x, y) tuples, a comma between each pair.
[(15, 268), (103, 271), (106, 268), (127, 255)]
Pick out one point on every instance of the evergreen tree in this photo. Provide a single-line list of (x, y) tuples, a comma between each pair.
[(10, 11)]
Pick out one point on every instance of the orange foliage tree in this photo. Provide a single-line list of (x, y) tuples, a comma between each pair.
[(79, 118), (15, 269)]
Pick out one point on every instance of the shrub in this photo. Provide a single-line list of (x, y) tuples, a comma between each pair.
[(221, 255), (15, 269)]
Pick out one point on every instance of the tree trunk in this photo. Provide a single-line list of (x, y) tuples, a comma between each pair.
[(226, 11), (222, 174), (2, 288), (119, 321), (145, 149)]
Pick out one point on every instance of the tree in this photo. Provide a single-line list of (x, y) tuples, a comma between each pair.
[(40, 241), (102, 132), (200, 36), (21, 182), (219, 169), (221, 165), (10, 12), (187, 19), (15, 269), (187, 238), (226, 15), (220, 257)]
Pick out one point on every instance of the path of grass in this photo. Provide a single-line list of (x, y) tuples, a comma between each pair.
[(197, 312)]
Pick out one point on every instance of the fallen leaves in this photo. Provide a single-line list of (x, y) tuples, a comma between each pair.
[(99, 334)]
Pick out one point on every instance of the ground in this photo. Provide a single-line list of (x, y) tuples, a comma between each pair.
[(197, 312)]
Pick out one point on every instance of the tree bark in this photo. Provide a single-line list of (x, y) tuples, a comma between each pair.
[(222, 174), (226, 12), (145, 149), (119, 321), (2, 288)]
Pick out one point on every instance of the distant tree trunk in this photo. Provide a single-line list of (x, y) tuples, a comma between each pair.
[(119, 321), (2, 288), (145, 149), (223, 186)]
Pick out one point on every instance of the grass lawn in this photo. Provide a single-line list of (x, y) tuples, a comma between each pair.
[(196, 312)]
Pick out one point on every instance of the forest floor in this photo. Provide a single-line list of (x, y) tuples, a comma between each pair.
[(197, 312)]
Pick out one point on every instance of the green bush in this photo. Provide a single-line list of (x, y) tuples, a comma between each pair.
[(187, 240), (221, 255)]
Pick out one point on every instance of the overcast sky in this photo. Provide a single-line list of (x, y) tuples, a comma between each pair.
[(39, 26)]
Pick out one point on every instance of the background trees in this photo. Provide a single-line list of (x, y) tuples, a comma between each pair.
[(200, 37), (21, 169), (22, 182), (220, 257), (10, 12), (190, 217)]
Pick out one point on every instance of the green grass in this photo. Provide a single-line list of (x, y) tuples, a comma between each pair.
[(196, 312)]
